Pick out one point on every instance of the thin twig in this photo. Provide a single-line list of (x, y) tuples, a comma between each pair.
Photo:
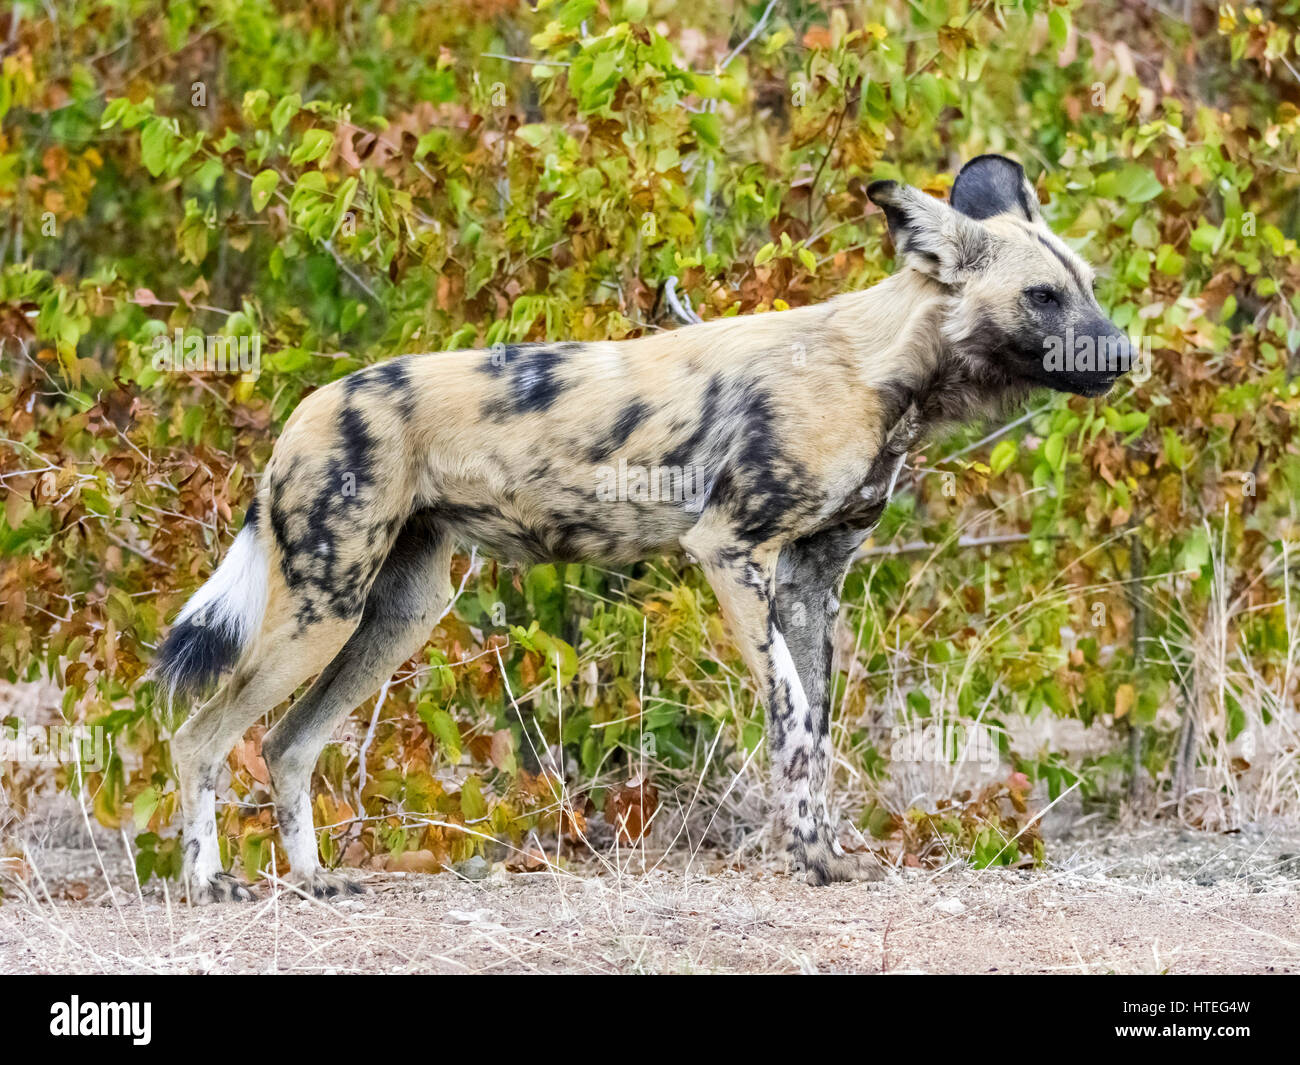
[(962, 541), (524, 59), (758, 26), (680, 307)]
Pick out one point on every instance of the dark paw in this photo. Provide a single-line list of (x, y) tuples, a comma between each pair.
[(326, 885), (827, 868), (220, 887)]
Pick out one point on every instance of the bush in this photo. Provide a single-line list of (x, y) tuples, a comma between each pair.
[(338, 186)]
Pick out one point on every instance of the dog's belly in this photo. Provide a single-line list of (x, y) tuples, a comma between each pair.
[(538, 504), (532, 530)]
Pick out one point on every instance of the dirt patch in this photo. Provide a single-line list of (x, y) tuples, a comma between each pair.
[(1147, 901)]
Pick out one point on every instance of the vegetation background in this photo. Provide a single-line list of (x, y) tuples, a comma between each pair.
[(348, 181)]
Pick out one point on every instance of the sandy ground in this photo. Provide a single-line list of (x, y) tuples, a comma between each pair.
[(1152, 900)]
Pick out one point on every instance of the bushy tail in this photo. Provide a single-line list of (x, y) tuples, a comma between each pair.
[(220, 620)]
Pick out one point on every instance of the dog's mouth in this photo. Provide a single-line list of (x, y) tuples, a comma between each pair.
[(1098, 386)]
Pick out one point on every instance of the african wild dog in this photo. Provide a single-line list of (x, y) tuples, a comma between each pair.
[(342, 566)]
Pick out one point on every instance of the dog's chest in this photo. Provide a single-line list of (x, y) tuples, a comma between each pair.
[(863, 507)]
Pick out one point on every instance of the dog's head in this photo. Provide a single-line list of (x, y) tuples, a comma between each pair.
[(1024, 308)]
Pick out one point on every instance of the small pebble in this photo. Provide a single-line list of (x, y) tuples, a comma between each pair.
[(475, 868)]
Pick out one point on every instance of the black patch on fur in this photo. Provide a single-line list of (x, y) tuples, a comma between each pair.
[(396, 379), (624, 425), (532, 384), (280, 524), (764, 484), (980, 376), (358, 453), (734, 452), (390, 380), (903, 226), (990, 185), (809, 574), (391, 594), (896, 217), (879, 192), (688, 450), (309, 537), (562, 537), (1070, 268), (895, 398)]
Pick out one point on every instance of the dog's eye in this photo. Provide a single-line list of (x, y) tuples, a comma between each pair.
[(1043, 296)]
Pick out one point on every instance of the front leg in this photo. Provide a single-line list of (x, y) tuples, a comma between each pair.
[(745, 580), (810, 573)]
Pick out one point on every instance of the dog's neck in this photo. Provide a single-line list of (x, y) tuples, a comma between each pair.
[(896, 329)]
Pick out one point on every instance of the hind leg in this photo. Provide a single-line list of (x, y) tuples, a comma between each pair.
[(408, 596), (283, 657)]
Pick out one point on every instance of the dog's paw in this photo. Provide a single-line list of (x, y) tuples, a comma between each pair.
[(219, 887), (322, 884), (828, 867)]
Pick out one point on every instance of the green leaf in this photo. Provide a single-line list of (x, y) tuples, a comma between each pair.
[(1175, 452), (113, 113), (440, 723), (1169, 262), (228, 140), (283, 112), (930, 90), (1196, 551), (1058, 27), (1133, 182), (155, 139), (143, 806), (1003, 455), (1054, 450), (144, 861), (263, 186), (1135, 421), (708, 129), (574, 13), (1205, 238), (343, 200), (535, 135), (255, 101), (253, 853), (472, 803), (315, 143)]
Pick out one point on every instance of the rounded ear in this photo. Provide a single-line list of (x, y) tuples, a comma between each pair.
[(928, 234), (989, 185)]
